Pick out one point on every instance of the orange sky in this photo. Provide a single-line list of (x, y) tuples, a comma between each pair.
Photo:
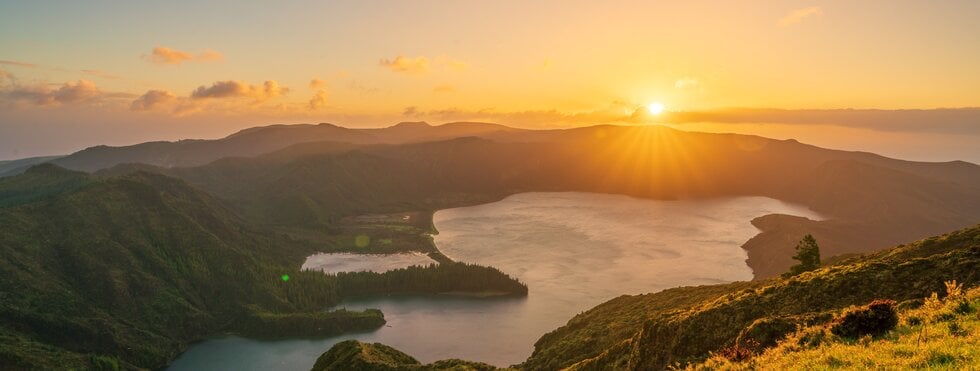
[(118, 73)]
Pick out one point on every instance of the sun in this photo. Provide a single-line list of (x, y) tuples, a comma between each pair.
[(655, 108)]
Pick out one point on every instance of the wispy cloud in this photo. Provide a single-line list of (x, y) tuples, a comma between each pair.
[(101, 74), (687, 83), (316, 83), (941, 120), (799, 15), (535, 118), (17, 63), (451, 64), (165, 55), (209, 56), (545, 65), (444, 89), (6, 76), (406, 65)]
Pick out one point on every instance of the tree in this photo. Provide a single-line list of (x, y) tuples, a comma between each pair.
[(808, 253)]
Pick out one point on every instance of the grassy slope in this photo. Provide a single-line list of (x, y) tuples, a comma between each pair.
[(944, 337), (688, 334)]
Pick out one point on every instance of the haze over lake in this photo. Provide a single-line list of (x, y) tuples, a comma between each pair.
[(574, 251), (349, 262)]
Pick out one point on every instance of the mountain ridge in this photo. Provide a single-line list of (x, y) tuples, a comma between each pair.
[(245, 142)]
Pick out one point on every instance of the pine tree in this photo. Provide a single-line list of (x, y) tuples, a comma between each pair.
[(808, 253)]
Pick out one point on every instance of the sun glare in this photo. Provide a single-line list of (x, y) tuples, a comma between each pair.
[(655, 108)]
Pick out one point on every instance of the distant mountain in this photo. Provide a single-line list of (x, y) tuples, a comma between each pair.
[(251, 142), (685, 325), (248, 142), (14, 167), (870, 202), (407, 132)]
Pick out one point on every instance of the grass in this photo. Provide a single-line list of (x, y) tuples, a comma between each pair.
[(939, 335)]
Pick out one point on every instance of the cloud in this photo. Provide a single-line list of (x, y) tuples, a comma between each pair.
[(4, 75), (941, 120), (238, 89), (17, 63), (545, 65), (444, 89), (317, 83), (538, 118), (450, 63), (319, 100), (799, 15), (210, 56), (406, 65), (152, 99), (457, 65), (42, 95), (76, 92), (165, 55), (686, 83), (361, 89), (104, 75), (949, 121)]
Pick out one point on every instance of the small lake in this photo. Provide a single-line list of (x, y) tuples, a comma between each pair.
[(574, 250)]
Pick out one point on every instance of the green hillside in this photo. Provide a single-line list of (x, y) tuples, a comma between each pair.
[(128, 270)]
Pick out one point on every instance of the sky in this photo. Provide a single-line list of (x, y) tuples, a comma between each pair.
[(896, 77)]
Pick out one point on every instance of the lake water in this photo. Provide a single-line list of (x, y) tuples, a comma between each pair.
[(574, 250)]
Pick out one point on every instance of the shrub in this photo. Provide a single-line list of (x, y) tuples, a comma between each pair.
[(766, 332), (740, 352), (963, 307), (812, 339), (875, 319), (104, 363), (956, 330)]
